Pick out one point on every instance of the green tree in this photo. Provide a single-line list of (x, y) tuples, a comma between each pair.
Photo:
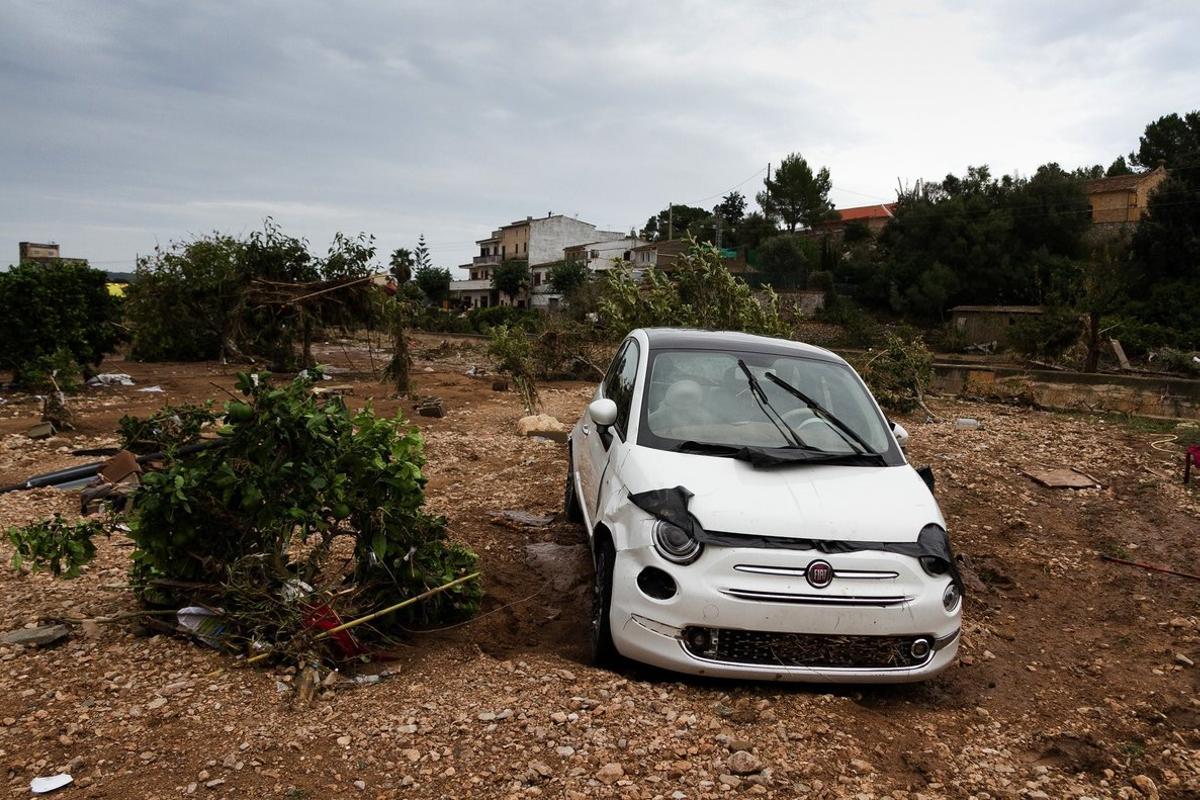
[(1162, 276), (421, 259), (434, 283), (701, 293), (729, 213), (567, 277), (54, 314), (785, 260), (678, 222), (512, 277), (1172, 140), (754, 228), (1118, 167), (401, 265), (796, 195)]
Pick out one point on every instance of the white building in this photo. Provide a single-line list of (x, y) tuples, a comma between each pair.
[(538, 241)]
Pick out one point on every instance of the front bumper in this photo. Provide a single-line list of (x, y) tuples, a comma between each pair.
[(771, 620)]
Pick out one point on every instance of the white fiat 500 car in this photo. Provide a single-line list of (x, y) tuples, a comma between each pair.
[(752, 515)]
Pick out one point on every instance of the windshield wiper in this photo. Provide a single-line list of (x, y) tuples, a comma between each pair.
[(838, 425), (760, 397), (706, 448)]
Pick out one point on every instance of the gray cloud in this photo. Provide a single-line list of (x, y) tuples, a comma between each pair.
[(136, 122)]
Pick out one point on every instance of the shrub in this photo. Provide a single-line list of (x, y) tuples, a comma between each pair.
[(513, 354), (262, 510), (1047, 335), (54, 544), (899, 372), (700, 292), (166, 429), (860, 328), (56, 316)]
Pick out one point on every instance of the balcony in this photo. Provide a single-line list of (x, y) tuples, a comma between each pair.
[(483, 261), (470, 286)]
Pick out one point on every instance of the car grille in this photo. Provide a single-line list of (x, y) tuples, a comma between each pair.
[(804, 649)]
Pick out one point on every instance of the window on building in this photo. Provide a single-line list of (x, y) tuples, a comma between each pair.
[(537, 279)]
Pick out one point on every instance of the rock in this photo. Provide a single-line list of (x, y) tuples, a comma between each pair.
[(213, 784), (565, 751), (343, 741), (743, 762), (157, 702), (1180, 658), (610, 773), (360, 785), (541, 768), (543, 425), (486, 716), (499, 386), (732, 781), (36, 637), (860, 766), (1145, 784)]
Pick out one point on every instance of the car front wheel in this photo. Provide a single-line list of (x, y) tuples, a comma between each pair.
[(603, 650)]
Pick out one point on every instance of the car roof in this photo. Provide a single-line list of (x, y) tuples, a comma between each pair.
[(694, 339)]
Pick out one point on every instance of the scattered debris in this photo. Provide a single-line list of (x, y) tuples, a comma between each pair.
[(1180, 658), (1062, 478), (966, 424), (341, 390), (430, 407), (110, 379), (1119, 351), (528, 519), (36, 637), (1151, 567), (1190, 458), (151, 389), (50, 783), (205, 625)]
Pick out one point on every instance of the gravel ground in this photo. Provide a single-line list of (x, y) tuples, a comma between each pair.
[(1075, 678)]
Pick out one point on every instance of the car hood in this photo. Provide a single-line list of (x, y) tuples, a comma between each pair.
[(802, 501)]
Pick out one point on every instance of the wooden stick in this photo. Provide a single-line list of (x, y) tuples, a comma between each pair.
[(1151, 567), (397, 606)]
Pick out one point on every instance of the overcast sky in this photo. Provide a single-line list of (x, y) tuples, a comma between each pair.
[(127, 124)]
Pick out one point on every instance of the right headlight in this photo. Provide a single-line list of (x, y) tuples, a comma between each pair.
[(675, 544)]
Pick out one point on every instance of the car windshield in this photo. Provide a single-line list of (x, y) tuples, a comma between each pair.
[(704, 396)]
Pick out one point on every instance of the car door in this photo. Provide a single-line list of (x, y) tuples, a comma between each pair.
[(601, 448)]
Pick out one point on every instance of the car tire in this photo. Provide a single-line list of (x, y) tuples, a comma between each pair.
[(604, 652), (571, 507)]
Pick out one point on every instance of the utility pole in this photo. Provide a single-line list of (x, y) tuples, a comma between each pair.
[(718, 231), (670, 221)]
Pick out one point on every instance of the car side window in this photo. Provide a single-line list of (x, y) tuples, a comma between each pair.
[(618, 385)]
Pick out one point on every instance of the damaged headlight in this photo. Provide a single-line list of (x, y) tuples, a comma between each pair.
[(951, 597), (675, 544)]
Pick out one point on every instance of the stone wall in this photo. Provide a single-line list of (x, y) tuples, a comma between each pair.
[(1147, 396)]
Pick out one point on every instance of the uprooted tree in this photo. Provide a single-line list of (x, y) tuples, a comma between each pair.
[(256, 297), (302, 515)]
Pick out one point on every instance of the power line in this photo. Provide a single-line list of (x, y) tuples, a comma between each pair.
[(730, 189)]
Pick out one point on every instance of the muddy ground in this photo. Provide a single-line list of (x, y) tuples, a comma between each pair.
[(1075, 678)]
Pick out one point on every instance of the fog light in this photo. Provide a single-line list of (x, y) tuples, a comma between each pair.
[(656, 583), (919, 649), (950, 597), (701, 642)]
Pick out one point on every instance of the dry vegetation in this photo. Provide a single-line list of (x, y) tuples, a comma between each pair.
[(1074, 680)]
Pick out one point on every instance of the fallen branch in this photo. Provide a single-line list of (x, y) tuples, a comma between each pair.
[(377, 614), (1151, 567)]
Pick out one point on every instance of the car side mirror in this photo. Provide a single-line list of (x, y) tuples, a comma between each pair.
[(603, 412), (900, 433)]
